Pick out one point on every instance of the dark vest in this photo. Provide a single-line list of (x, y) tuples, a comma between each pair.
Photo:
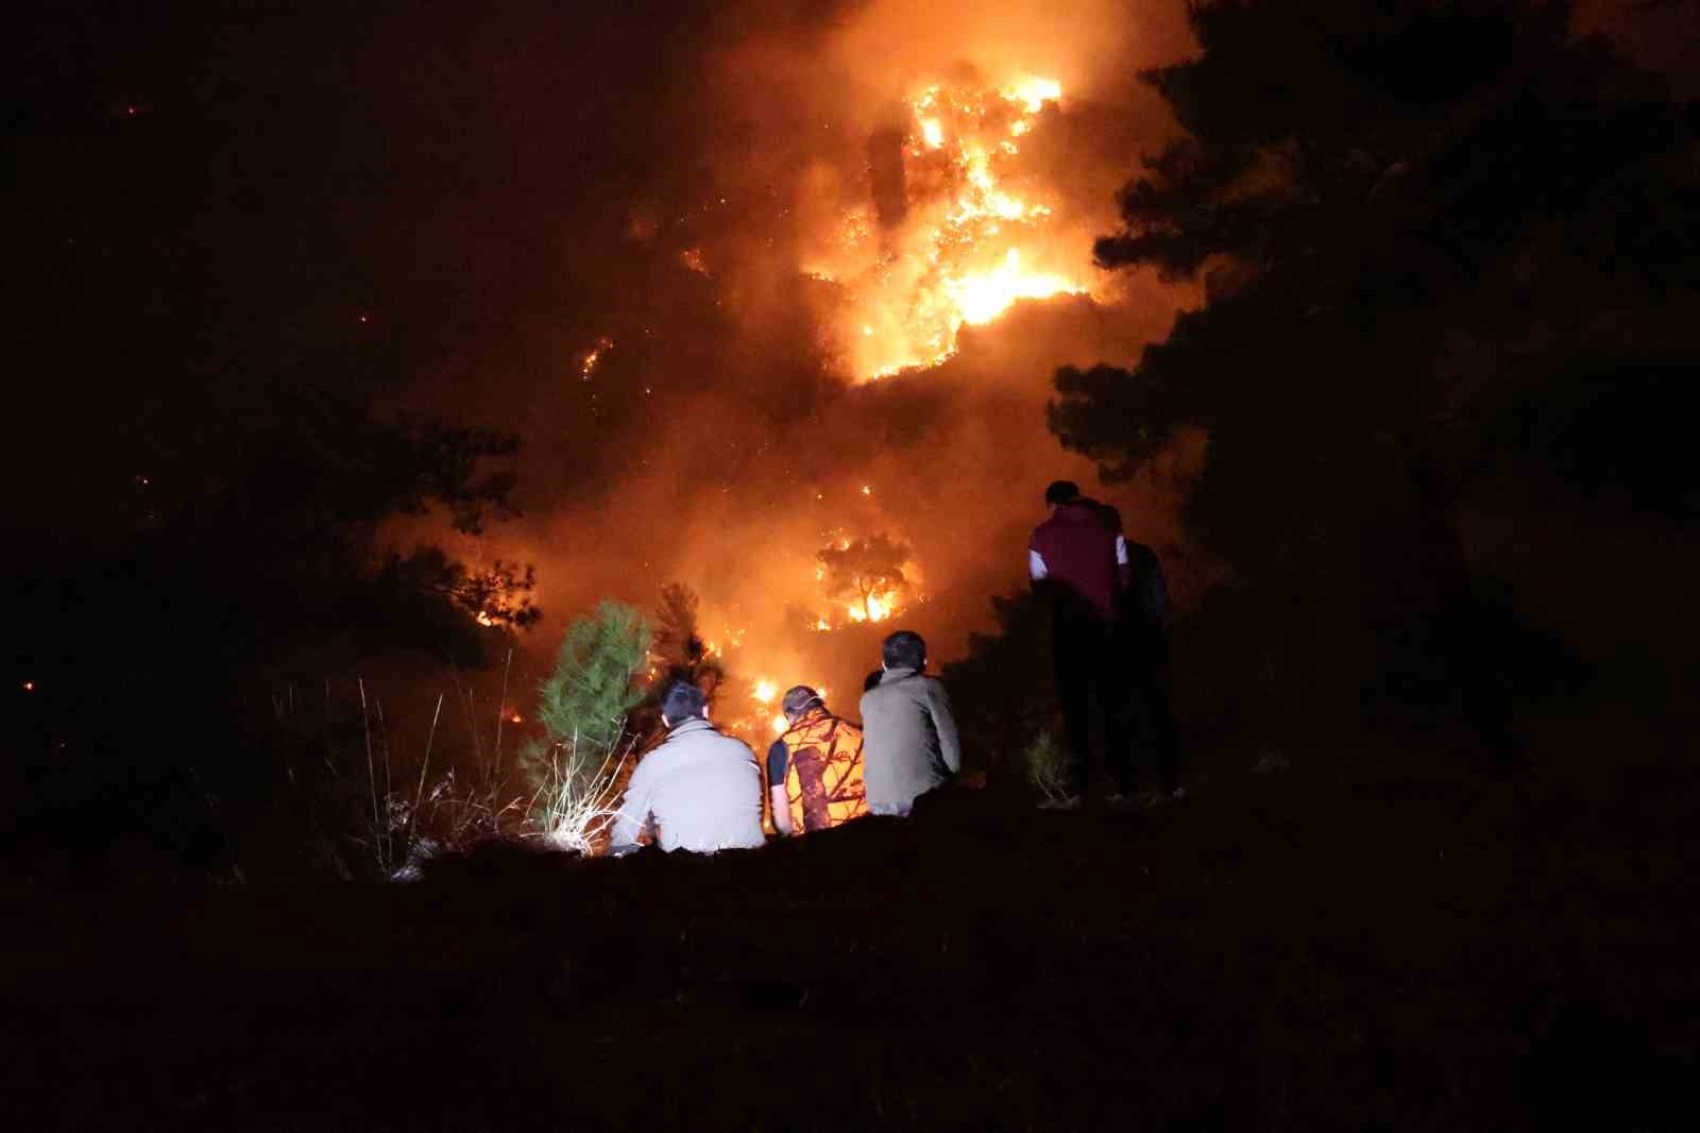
[(1079, 549)]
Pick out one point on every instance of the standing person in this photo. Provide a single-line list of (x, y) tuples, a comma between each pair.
[(699, 791), (1080, 560), (911, 741), (814, 768), (1145, 643)]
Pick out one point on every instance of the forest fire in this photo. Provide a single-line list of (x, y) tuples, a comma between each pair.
[(825, 629), (970, 238), (765, 694), (871, 575), (877, 608)]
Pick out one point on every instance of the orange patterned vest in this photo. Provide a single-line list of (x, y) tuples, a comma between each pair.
[(823, 772)]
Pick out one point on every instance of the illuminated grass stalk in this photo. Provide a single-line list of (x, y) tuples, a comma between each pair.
[(583, 704), (1047, 767), (575, 805)]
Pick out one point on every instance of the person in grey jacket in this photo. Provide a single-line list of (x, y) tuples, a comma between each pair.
[(909, 740), (699, 791)]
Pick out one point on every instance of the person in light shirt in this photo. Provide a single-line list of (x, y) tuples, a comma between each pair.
[(910, 742), (699, 791)]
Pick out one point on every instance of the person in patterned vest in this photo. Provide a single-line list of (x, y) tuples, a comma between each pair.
[(814, 769)]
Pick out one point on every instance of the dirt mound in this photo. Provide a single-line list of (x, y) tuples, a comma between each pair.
[(1291, 953)]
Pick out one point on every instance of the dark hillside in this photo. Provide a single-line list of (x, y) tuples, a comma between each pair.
[(1287, 953)]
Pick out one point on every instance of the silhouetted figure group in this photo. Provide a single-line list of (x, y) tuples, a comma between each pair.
[(700, 789), (1109, 609)]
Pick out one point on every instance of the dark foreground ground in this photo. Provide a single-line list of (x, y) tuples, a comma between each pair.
[(1281, 953)]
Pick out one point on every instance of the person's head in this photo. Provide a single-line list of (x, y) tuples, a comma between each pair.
[(1061, 492), (683, 701), (904, 649), (799, 701)]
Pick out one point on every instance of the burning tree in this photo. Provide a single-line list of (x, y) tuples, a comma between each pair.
[(953, 235), (870, 569), (499, 596)]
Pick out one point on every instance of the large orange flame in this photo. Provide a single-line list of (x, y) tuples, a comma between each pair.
[(965, 249)]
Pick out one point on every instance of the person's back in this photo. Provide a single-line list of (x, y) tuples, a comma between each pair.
[(910, 743), (1078, 559), (1145, 601), (1074, 554), (815, 770), (699, 791)]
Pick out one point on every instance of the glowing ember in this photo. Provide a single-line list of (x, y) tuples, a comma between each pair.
[(764, 692), (603, 345), (972, 241), (484, 619), (780, 724)]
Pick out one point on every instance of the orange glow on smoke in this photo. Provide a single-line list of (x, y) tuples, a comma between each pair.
[(974, 240), (777, 654)]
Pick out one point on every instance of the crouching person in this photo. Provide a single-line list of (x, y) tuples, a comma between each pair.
[(814, 768), (699, 790), (910, 740)]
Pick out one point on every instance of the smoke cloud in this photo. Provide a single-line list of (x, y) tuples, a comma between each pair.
[(721, 436)]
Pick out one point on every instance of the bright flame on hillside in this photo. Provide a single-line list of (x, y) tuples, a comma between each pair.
[(972, 240), (1033, 92), (877, 608), (982, 298)]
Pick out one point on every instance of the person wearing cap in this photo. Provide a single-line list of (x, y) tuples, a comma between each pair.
[(814, 768), (911, 739), (700, 790)]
